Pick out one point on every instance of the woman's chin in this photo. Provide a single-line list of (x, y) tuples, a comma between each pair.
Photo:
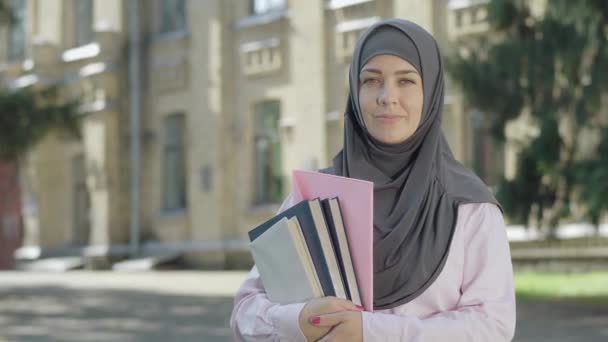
[(391, 139)]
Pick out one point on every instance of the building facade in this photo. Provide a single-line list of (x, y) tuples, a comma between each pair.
[(234, 96)]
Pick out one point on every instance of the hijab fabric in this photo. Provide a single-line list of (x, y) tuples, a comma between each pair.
[(418, 185)]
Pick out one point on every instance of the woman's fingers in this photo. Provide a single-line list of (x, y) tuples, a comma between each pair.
[(328, 320)]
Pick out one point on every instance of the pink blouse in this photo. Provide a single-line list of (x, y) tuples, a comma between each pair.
[(473, 299)]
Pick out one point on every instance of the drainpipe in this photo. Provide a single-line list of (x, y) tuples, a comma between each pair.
[(134, 105)]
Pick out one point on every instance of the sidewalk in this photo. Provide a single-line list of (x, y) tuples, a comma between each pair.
[(114, 306), (195, 306)]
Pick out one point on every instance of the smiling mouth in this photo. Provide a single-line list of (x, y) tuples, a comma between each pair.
[(389, 118)]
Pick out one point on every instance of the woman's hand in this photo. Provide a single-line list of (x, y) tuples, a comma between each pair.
[(347, 326), (318, 307)]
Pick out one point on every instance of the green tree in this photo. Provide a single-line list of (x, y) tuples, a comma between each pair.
[(592, 174), (552, 66), (28, 114)]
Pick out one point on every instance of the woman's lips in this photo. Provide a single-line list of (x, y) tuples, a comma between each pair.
[(389, 118)]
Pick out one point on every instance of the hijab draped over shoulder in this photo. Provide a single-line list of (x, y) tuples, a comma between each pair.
[(418, 185)]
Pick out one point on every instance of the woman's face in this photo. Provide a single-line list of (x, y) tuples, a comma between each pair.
[(390, 98)]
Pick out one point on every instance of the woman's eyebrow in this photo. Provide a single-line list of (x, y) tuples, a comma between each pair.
[(375, 71), (404, 72), (398, 72)]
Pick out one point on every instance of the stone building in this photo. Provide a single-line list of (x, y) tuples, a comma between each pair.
[(234, 96)]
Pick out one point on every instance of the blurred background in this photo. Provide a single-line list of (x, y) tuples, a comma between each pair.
[(141, 139)]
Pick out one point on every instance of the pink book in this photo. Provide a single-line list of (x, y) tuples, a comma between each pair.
[(356, 203)]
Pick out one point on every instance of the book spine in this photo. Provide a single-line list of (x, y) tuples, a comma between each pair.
[(331, 227), (327, 249)]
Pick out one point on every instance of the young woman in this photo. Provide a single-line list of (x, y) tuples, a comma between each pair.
[(442, 266)]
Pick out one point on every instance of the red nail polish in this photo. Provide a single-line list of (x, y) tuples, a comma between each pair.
[(315, 320), (359, 307)]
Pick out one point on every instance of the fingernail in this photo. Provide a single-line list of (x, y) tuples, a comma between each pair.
[(315, 320), (359, 307)]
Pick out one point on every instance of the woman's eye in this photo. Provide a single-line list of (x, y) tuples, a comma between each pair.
[(406, 81), (370, 81)]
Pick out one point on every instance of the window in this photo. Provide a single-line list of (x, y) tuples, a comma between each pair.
[(16, 46), (267, 155), (174, 163), (173, 16), (83, 22), (264, 6)]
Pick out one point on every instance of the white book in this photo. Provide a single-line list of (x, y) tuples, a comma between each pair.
[(285, 266)]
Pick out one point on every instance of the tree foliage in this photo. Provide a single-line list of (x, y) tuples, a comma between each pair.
[(27, 114), (552, 67)]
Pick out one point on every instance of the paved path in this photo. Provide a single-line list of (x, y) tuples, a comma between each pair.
[(562, 321), (195, 306)]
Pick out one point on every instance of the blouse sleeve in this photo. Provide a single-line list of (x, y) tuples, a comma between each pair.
[(486, 309), (256, 318)]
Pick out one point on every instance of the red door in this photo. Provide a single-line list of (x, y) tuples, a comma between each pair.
[(10, 214)]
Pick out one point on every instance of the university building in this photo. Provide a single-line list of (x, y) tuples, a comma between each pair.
[(233, 96)]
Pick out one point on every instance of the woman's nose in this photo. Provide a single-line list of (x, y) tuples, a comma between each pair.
[(387, 95)]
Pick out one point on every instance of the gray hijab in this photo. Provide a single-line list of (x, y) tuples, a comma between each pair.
[(418, 185)]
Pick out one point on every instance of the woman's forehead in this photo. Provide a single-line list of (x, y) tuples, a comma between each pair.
[(388, 62)]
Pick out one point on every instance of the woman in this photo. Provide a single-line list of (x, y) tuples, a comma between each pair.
[(442, 266)]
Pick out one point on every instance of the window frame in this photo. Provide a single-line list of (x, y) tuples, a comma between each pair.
[(84, 32), (174, 147), (166, 28), (18, 18), (268, 178), (270, 7)]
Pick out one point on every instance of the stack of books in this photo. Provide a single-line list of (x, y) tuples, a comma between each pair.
[(321, 246)]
